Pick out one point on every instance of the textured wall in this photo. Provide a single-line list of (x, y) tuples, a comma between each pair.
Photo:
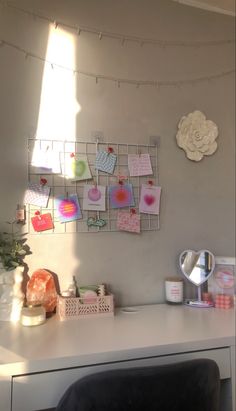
[(197, 207)]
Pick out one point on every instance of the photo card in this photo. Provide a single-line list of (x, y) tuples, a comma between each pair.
[(121, 195), (94, 197), (150, 199), (68, 208), (37, 194)]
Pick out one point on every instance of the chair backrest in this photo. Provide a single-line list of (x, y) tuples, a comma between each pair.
[(188, 386)]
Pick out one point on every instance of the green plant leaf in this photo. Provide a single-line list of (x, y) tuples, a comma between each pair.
[(13, 248), (21, 252)]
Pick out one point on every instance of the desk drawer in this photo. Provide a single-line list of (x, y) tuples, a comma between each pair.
[(44, 390)]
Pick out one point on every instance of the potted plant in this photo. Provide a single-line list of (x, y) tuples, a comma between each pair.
[(13, 249)]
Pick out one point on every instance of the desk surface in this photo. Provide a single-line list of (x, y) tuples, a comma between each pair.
[(152, 330)]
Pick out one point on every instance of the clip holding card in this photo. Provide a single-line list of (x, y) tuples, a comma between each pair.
[(43, 181), (132, 211), (38, 214), (72, 155), (150, 182), (121, 182), (110, 150), (122, 177)]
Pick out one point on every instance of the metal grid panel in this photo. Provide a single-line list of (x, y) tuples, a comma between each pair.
[(60, 185)]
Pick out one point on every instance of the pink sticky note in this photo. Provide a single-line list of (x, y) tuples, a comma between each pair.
[(128, 222), (150, 199), (139, 165)]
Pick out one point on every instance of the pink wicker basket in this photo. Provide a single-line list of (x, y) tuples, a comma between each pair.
[(75, 307)]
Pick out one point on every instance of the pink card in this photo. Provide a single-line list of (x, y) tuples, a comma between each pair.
[(42, 222), (150, 199), (139, 165), (128, 222)]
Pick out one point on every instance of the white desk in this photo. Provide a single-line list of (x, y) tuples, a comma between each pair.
[(37, 364)]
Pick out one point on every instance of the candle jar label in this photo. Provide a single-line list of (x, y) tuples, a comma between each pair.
[(174, 291)]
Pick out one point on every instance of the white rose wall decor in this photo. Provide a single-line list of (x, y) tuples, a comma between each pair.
[(196, 135)]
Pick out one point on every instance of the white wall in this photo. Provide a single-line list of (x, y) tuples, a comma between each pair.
[(197, 207)]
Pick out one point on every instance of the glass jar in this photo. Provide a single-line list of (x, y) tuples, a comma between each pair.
[(174, 290), (32, 315)]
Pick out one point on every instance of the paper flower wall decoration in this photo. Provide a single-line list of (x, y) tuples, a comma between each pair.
[(196, 135)]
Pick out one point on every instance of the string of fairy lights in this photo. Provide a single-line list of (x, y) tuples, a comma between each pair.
[(123, 39)]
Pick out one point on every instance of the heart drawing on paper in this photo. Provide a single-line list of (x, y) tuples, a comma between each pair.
[(149, 199), (79, 168)]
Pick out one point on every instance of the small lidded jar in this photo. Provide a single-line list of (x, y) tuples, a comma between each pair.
[(174, 290), (33, 314)]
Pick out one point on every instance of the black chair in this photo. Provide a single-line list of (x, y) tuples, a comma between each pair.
[(188, 386)]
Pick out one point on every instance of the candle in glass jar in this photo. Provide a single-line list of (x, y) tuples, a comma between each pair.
[(33, 315), (174, 290)]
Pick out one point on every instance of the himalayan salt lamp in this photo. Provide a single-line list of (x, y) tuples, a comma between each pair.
[(41, 289)]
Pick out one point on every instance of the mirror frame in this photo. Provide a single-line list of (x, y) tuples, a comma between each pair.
[(197, 253)]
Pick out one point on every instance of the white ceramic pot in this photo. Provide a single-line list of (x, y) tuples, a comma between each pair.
[(11, 296)]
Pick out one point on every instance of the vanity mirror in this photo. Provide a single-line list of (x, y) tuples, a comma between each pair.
[(197, 267)]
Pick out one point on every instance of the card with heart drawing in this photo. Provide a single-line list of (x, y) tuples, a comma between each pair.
[(150, 199), (76, 167)]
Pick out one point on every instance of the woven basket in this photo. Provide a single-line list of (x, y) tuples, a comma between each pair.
[(75, 307)]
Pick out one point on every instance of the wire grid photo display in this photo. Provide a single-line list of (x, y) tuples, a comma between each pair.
[(60, 185)]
